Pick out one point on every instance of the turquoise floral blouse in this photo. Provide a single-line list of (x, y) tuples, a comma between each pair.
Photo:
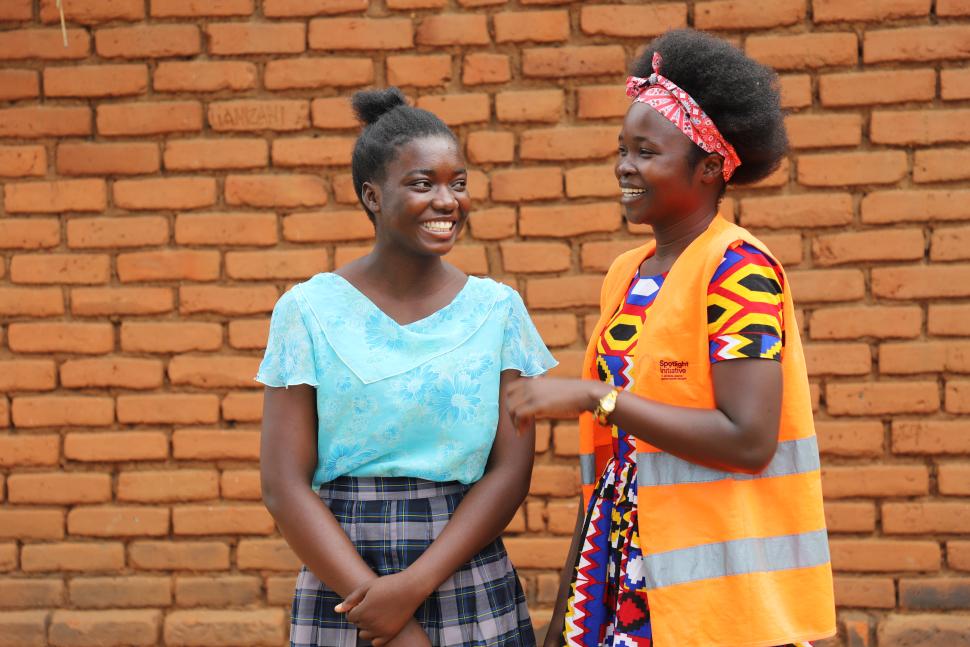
[(417, 400)]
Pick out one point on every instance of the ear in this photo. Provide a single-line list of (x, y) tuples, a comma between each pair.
[(370, 194), (711, 168)]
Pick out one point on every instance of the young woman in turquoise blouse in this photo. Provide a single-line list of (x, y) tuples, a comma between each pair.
[(388, 459)]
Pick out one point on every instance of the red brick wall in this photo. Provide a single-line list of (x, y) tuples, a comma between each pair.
[(169, 173)]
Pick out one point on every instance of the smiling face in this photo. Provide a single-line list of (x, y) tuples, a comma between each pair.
[(655, 171), (423, 202)]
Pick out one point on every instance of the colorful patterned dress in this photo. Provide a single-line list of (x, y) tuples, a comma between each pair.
[(608, 603)]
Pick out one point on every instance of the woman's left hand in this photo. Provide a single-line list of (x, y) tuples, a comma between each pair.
[(551, 397), (381, 607)]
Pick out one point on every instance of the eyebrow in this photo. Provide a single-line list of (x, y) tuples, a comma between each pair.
[(428, 171)]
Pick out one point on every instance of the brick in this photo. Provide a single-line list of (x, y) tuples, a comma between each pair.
[(481, 68), (823, 131), (203, 76), (952, 8), (174, 337), (531, 26), (204, 154), (924, 630), (453, 29), (493, 224), (324, 226), (930, 437), (881, 555), (343, 189), (124, 372), (104, 233), (808, 210), (205, 444), (117, 445), (17, 10), (568, 221), (850, 438), (168, 408), (601, 101), (227, 300), (926, 594), (120, 301), (404, 5), (877, 87), (840, 169), (291, 264), (914, 206), (312, 151), (120, 592), (116, 627), (59, 488), (275, 190), (818, 50), (832, 11), (257, 115), (362, 34), (887, 245), (838, 359), (224, 628), (526, 184), (941, 165), (19, 593), (148, 41), (882, 398), (235, 38), (53, 411), (8, 558), (922, 357), (457, 109), (954, 479), (149, 118), (334, 113), (529, 105), (47, 121), (23, 628), (936, 43), (182, 555), (248, 407), (44, 44), (632, 21), (599, 255), (567, 143), (910, 282), (486, 146), (34, 302), (535, 257), (796, 90), (222, 520), (213, 372), (954, 84), (95, 81), (82, 158), (279, 590), (195, 8), (569, 61), (220, 592), (29, 233), (564, 292), (249, 333), (850, 516), (537, 552), (31, 524), (286, 8), (874, 481), (958, 396), (735, 14), (166, 486), (22, 161), (69, 337), (55, 197), (76, 269), (866, 592), (240, 485), (118, 521), (919, 127), (266, 555), (168, 265), (92, 12), (27, 375), (318, 73), (419, 71), (592, 181), (228, 228), (823, 286), (958, 555)]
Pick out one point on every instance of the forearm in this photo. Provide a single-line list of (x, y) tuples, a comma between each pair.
[(316, 537)]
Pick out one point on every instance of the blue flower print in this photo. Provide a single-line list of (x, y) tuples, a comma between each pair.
[(344, 458), (381, 333), (455, 400), (416, 383), (478, 364)]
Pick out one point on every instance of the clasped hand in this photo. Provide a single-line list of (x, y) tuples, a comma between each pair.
[(382, 608), (550, 397)]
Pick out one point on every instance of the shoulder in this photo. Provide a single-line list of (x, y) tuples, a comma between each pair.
[(486, 288)]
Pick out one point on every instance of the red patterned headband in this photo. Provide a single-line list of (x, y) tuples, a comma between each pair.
[(664, 96)]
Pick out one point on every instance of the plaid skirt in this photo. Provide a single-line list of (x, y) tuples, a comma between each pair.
[(391, 521)]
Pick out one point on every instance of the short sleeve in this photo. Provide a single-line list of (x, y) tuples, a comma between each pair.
[(745, 306), (522, 348), (289, 352)]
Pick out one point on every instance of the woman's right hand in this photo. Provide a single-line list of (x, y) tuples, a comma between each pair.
[(412, 635)]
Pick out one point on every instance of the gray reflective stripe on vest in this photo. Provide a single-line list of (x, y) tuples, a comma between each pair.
[(587, 468), (661, 468), (738, 557)]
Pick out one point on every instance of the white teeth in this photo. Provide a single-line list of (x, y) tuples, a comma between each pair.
[(438, 226), (627, 191)]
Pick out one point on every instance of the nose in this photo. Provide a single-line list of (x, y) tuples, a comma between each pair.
[(444, 200), (623, 168)]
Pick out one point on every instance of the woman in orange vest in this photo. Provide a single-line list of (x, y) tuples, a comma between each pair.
[(703, 521)]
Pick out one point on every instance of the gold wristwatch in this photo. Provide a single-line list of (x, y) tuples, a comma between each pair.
[(605, 407)]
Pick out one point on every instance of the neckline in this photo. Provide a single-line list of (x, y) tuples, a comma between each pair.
[(373, 306)]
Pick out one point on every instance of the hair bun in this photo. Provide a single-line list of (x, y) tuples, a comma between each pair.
[(370, 105)]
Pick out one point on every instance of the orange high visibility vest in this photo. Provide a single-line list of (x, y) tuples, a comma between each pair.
[(732, 559)]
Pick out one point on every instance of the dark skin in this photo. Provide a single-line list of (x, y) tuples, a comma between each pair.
[(405, 276), (678, 202)]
